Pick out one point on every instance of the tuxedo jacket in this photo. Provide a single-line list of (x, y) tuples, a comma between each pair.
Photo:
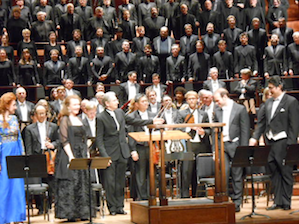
[(138, 45), (101, 67), (88, 132), (285, 118), (47, 9), (152, 26), (157, 44), (183, 45), (293, 58), (254, 12), (197, 71), (144, 10), (115, 47), (211, 43), (128, 28), (84, 15), (71, 45), (124, 92), (56, 106), (110, 16), (93, 24), (250, 88), (66, 28), (131, 8), (30, 107), (76, 92), (40, 30), (180, 22), (225, 64), (79, 73), (52, 76), (275, 63), (158, 107), (163, 89), (232, 38), (259, 42), (206, 17), (274, 13), (123, 66), (175, 71), (148, 66), (286, 38), (245, 57), (208, 85), (111, 142), (98, 42), (33, 140)]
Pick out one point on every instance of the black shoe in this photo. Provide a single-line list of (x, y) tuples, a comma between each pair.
[(286, 207), (121, 212), (113, 213), (237, 209), (273, 207)]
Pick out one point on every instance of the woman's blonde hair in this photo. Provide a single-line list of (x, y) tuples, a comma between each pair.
[(5, 101), (65, 111)]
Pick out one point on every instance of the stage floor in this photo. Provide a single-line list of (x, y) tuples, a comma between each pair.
[(277, 216)]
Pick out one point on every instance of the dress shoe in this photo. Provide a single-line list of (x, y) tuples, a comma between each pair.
[(113, 213), (286, 207), (237, 209), (273, 207), (121, 212)]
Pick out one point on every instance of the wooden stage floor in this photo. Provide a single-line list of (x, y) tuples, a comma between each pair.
[(277, 216)]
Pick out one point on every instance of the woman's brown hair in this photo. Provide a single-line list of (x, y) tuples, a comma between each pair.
[(5, 101), (23, 61), (65, 111)]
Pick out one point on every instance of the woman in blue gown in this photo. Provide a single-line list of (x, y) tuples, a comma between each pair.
[(12, 191)]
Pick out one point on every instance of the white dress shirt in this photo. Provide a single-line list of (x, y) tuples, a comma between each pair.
[(112, 113), (24, 111), (210, 110), (215, 85), (132, 90), (154, 107), (225, 119), (42, 134), (92, 126), (168, 116), (196, 137), (69, 92), (158, 92), (144, 116)]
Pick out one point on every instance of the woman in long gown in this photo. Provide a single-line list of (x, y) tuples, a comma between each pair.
[(72, 196), (12, 191), (7, 72)]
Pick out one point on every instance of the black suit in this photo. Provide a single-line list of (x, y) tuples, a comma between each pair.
[(199, 66), (153, 25), (101, 66), (123, 93), (40, 30), (69, 23), (147, 66), (144, 11), (225, 64), (285, 119), (124, 64), (250, 87), (54, 73), (131, 9), (275, 62), (188, 47), (98, 42), (128, 28), (93, 24), (206, 17), (285, 35), (209, 86), (293, 58), (179, 24), (239, 133), (30, 107), (138, 45), (110, 16), (175, 68), (163, 89), (211, 43), (169, 11), (232, 38), (112, 143), (85, 14), (71, 45), (245, 57), (79, 72), (254, 12)]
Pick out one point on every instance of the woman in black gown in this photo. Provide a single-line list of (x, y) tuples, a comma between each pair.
[(52, 45), (7, 73), (27, 70), (9, 49), (72, 185)]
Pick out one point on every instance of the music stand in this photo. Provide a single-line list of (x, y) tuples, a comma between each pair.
[(292, 158), (89, 163), (24, 167), (251, 156)]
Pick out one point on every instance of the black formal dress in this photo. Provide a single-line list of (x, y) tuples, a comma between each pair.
[(27, 74), (31, 46), (14, 29), (7, 73), (9, 52)]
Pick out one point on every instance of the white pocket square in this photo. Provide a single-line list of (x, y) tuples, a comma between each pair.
[(282, 110)]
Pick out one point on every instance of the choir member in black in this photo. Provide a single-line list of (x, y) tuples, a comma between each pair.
[(125, 61), (84, 11), (213, 83), (231, 34), (285, 33), (274, 13), (140, 42), (77, 41), (52, 45), (199, 64), (169, 11), (227, 10), (60, 9), (154, 106), (293, 55), (257, 37), (126, 5), (115, 46), (110, 14), (158, 87), (148, 65), (211, 40), (275, 62), (25, 12), (54, 69), (175, 66), (153, 24), (3, 19), (15, 26), (184, 18), (79, 68), (284, 3), (144, 10), (187, 43), (162, 48), (245, 56), (129, 89), (9, 49), (44, 8), (7, 73), (72, 185), (42, 28), (27, 70), (223, 60), (29, 44), (97, 21), (208, 15), (101, 67), (69, 22), (180, 101), (99, 41), (128, 26), (254, 11), (24, 107)]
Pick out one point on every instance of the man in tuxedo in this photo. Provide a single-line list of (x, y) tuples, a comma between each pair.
[(144, 10), (24, 107), (245, 56), (99, 41), (293, 58), (129, 89), (79, 68), (153, 24), (148, 65), (128, 26), (187, 43), (101, 67), (275, 12), (54, 69), (231, 34), (158, 87), (199, 143), (199, 64), (236, 133), (69, 91), (76, 41), (84, 11), (211, 40), (153, 106), (285, 33), (229, 9), (44, 8), (41, 137), (111, 141), (110, 14), (213, 83), (280, 126), (126, 5), (61, 95), (41, 28), (125, 61), (175, 66), (140, 42), (89, 123), (254, 11), (206, 97), (223, 60)]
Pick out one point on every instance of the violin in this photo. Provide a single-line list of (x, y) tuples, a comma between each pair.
[(50, 157)]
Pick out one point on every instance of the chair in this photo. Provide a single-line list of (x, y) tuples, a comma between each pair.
[(205, 171), (99, 190)]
